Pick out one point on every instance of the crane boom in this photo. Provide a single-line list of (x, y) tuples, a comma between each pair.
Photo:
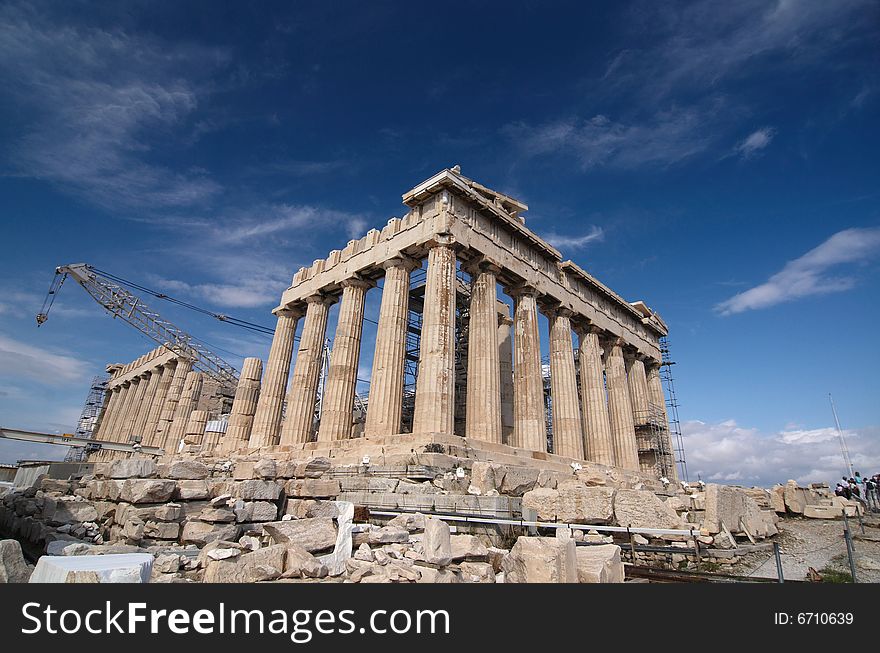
[(121, 303)]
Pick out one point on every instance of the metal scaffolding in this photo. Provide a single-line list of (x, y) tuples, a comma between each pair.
[(672, 409), (90, 419)]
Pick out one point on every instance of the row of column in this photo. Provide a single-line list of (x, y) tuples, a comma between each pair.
[(153, 407), (596, 423)]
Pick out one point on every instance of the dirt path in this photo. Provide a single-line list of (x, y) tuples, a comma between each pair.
[(818, 543)]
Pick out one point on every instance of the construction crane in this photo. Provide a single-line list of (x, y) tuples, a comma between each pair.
[(108, 291)]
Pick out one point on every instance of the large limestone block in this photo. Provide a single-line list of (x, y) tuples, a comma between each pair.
[(315, 534), (643, 509), (201, 533), (366, 484), (484, 478), (579, 504), (192, 490), (541, 560), (467, 547), (261, 565), (69, 512), (303, 508), (302, 564), (777, 499), (190, 470), (518, 480), (13, 568), (477, 572), (732, 506), (114, 568), (436, 545), (822, 512), (795, 498), (148, 490), (599, 564), (256, 490), (544, 502), (313, 488), (131, 468)]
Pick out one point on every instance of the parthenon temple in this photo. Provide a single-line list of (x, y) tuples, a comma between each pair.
[(452, 364)]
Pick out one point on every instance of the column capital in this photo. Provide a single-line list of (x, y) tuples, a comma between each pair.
[(521, 290), (479, 264), (318, 298), (401, 261), (289, 311), (357, 282)]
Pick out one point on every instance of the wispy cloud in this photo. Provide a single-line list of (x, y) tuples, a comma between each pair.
[(752, 144), (808, 275), (19, 359), (731, 453), (98, 104), (595, 234), (666, 138)]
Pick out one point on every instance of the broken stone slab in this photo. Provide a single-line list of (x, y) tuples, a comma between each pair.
[(313, 488), (544, 502), (256, 566), (315, 534), (387, 535), (823, 512), (265, 468), (477, 572), (190, 470), (368, 484), (56, 485), (161, 530), (518, 480), (795, 498), (467, 547), (580, 504), (599, 564), (735, 509), (541, 560), (68, 512), (131, 468), (313, 468), (411, 522), (777, 499), (431, 575), (147, 490), (643, 509), (484, 478), (304, 508), (192, 490), (201, 533), (255, 511), (217, 515), (299, 563), (256, 490), (13, 568), (113, 568), (436, 545)]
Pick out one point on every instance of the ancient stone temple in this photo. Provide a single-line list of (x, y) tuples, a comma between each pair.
[(480, 377), (457, 360)]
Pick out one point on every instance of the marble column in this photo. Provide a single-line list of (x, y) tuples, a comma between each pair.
[(194, 430), (299, 422), (110, 414), (505, 357), (620, 412), (166, 417), (598, 443), (435, 386), (568, 429), (530, 427), (189, 397), (638, 389), (139, 430), (244, 405), (138, 388), (385, 406), (338, 402), (166, 373), (658, 401), (267, 418), (125, 399), (483, 420)]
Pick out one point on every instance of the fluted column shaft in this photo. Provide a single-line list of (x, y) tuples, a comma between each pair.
[(189, 397), (598, 443), (505, 357), (194, 430), (140, 423), (166, 374), (638, 389), (110, 413), (620, 413), (166, 417), (483, 420), (125, 399), (139, 388), (568, 429), (658, 398), (385, 406), (530, 428), (244, 405), (267, 419), (300, 418), (338, 402), (435, 386)]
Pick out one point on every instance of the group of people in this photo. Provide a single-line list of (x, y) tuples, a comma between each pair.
[(865, 489)]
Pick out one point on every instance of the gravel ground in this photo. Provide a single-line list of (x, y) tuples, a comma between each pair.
[(818, 543)]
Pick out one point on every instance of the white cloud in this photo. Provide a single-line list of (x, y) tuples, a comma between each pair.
[(96, 104), (752, 144), (18, 359), (728, 452), (595, 234), (808, 275)]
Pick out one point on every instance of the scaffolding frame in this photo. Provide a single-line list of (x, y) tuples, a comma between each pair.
[(90, 418), (666, 364)]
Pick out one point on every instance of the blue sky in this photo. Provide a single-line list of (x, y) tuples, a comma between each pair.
[(717, 160)]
